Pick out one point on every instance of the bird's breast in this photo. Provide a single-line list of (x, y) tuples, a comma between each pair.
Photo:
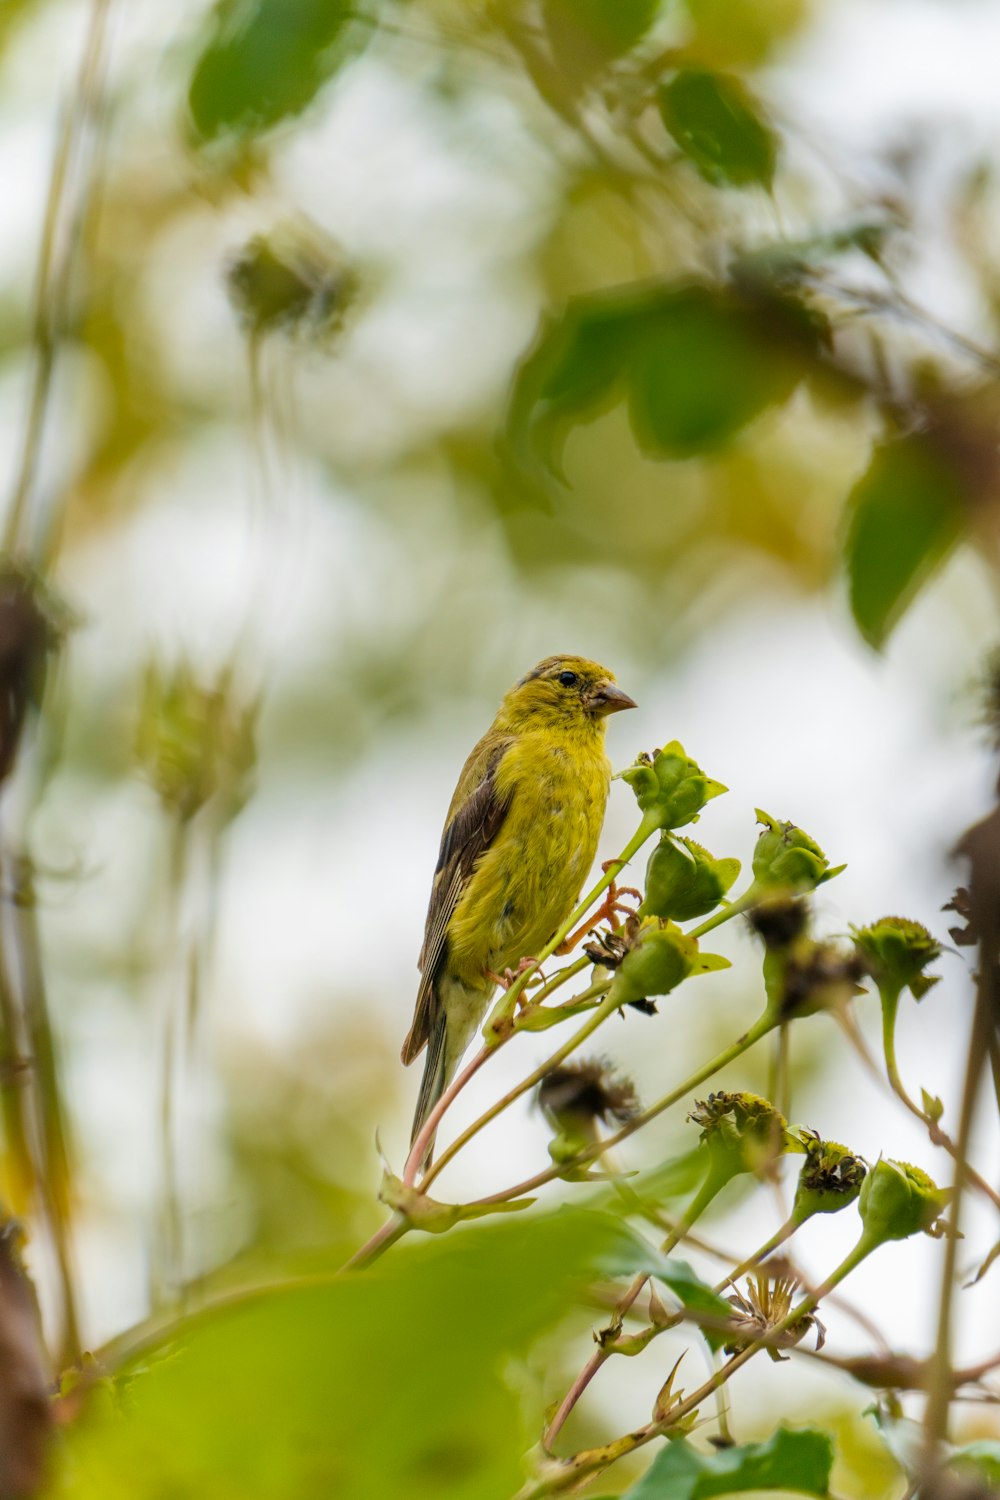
[(528, 881)]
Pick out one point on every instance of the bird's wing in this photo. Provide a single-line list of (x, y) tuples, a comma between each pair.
[(473, 823)]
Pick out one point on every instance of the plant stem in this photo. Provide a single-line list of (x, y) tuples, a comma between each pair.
[(392, 1230), (564, 1474), (939, 1137), (605, 1350), (940, 1385), (764, 1023), (589, 1026)]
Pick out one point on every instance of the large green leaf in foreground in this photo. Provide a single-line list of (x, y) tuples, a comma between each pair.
[(798, 1461), (383, 1382)]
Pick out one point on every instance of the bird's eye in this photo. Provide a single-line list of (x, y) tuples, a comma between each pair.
[(568, 679)]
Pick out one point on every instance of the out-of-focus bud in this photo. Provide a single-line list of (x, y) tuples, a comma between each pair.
[(830, 1178), (898, 1200), (810, 977), (895, 953), (32, 624), (295, 279), (671, 789), (577, 1097), (684, 881), (196, 742), (787, 857), (741, 1132), (779, 919), (658, 958)]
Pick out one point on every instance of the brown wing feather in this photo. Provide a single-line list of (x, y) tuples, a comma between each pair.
[(467, 835)]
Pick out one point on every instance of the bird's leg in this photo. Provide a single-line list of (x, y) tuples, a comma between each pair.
[(608, 910), (506, 979)]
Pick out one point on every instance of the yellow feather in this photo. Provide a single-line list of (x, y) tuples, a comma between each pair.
[(520, 838)]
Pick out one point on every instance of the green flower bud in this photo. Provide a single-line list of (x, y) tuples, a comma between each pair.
[(659, 957), (830, 1179), (684, 881), (898, 1200), (895, 953), (670, 788), (787, 857), (195, 742), (741, 1132)]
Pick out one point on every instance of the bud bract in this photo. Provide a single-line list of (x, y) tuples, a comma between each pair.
[(831, 1177), (786, 856), (895, 953), (659, 958), (742, 1133), (684, 881), (671, 789), (898, 1200)]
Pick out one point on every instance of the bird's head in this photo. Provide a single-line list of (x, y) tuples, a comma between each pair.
[(565, 690)]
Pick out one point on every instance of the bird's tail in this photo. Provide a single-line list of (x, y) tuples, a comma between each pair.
[(434, 1081)]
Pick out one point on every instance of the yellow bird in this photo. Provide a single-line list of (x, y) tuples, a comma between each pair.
[(519, 840)]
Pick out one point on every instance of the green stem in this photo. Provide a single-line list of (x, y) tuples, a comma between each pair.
[(499, 1017), (760, 1028), (580, 1035), (890, 1008), (725, 913), (779, 1237)]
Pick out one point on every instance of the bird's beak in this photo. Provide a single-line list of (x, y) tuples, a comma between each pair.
[(608, 698)]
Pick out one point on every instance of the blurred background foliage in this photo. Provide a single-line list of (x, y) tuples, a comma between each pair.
[(397, 345)]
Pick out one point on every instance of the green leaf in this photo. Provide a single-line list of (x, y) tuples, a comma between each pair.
[(589, 33), (982, 1459), (266, 60), (704, 363), (717, 123), (789, 1460), (574, 372), (905, 515), (381, 1382), (632, 1256), (696, 361)]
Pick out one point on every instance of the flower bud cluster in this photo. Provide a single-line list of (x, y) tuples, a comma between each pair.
[(684, 881), (671, 789)]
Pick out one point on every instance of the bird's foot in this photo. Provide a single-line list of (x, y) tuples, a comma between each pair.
[(506, 979), (607, 911)]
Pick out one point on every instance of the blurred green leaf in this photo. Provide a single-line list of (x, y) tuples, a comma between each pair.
[(979, 1461), (382, 1382), (706, 361), (696, 361), (905, 515), (266, 61), (631, 1256), (789, 1460), (717, 123), (741, 33), (587, 34)]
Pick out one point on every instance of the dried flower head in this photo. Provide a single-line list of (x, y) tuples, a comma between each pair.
[(830, 1178), (742, 1133), (765, 1306), (779, 918), (297, 279), (588, 1088), (578, 1096), (814, 977)]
